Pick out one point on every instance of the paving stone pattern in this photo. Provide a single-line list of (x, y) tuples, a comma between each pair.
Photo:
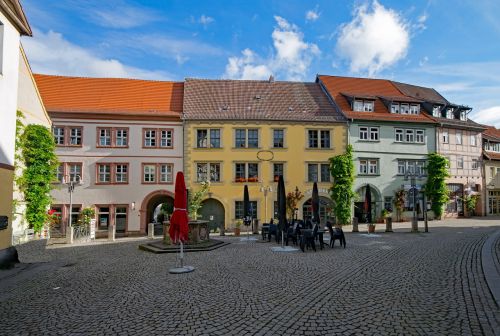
[(391, 284)]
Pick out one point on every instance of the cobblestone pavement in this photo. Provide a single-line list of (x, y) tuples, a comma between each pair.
[(384, 284)]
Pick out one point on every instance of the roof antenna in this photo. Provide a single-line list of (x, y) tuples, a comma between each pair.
[(271, 79)]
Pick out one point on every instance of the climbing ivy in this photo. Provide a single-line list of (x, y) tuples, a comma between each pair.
[(37, 154), (341, 192), (435, 189)]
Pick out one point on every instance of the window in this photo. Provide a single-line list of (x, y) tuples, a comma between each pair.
[(149, 173), (60, 173), (75, 136), (278, 170), (322, 135), (411, 167), (458, 136), (242, 135), (419, 136), (373, 133), (409, 135), (278, 138), (318, 172), (436, 111), (214, 172), (325, 172), (445, 137), (202, 138), (463, 115), (75, 214), (414, 109), (103, 218), (238, 209), (460, 162), (368, 167), (420, 168), (74, 171), (399, 135), (202, 172), (58, 135), (57, 215), (363, 133), (363, 105), (121, 219), (166, 139), (405, 108), (394, 108), (449, 113), (388, 203), (475, 164), (246, 172), (104, 173), (166, 173), (68, 135), (157, 137), (401, 167), (215, 138), (121, 137), (104, 137), (473, 140), (121, 173), (150, 138)]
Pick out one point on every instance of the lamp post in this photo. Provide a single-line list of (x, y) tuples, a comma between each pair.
[(266, 190), (412, 177), (71, 183)]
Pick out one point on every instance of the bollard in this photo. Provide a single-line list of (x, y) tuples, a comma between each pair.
[(111, 233), (222, 229), (355, 224), (70, 231), (388, 224), (151, 231)]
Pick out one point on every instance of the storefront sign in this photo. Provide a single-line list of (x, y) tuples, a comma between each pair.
[(92, 228)]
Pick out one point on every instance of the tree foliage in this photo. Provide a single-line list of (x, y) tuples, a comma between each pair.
[(435, 189), (195, 199), (292, 199), (37, 153), (341, 192), (399, 202)]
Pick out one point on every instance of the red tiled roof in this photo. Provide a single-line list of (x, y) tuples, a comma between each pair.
[(491, 132), (492, 155), (257, 100), (110, 95), (336, 86)]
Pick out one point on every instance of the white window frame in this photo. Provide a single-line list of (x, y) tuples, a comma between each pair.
[(410, 133), (446, 137), (166, 171), (473, 140), (458, 137), (363, 133), (420, 136), (374, 134), (460, 162), (399, 133), (121, 173), (166, 138)]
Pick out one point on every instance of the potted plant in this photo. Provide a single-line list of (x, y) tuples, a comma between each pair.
[(237, 227), (371, 227), (387, 215)]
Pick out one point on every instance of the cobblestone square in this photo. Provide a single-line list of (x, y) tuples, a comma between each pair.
[(384, 284)]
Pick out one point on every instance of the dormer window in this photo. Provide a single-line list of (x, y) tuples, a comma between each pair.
[(436, 111), (394, 108), (449, 113), (363, 106), (405, 108), (414, 109), (463, 115)]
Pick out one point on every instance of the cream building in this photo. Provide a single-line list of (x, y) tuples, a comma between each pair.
[(13, 24), (121, 141)]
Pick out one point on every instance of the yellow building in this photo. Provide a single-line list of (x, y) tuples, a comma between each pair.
[(250, 132)]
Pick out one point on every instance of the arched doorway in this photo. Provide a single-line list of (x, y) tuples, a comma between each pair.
[(150, 204), (213, 211), (359, 211), (325, 209)]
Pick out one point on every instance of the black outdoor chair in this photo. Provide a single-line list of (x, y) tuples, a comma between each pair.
[(308, 239), (273, 230), (336, 233), (292, 233)]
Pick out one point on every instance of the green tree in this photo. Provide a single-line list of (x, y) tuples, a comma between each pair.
[(37, 154), (195, 199), (435, 189), (341, 192)]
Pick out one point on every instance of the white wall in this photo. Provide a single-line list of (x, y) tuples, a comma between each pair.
[(8, 90)]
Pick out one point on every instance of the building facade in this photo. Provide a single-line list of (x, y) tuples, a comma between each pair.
[(391, 138), (250, 132), (459, 139), (13, 24), (121, 141), (491, 171)]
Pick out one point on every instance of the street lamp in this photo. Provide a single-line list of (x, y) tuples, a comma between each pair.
[(266, 190), (71, 183), (412, 177)]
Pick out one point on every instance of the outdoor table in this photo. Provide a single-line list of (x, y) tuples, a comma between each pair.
[(320, 232)]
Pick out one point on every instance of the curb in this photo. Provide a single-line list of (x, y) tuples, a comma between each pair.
[(491, 273)]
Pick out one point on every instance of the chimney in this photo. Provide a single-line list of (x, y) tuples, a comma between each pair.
[(271, 79)]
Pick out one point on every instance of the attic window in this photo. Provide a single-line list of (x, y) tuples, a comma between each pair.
[(225, 107), (257, 97), (405, 108), (463, 115), (436, 111), (363, 105), (449, 113), (290, 109)]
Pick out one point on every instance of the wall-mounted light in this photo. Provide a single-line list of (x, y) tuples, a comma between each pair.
[(132, 205)]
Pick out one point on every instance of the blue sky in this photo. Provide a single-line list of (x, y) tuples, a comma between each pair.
[(453, 46)]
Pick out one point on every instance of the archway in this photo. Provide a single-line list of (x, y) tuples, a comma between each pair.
[(213, 211), (150, 203), (359, 211), (325, 209)]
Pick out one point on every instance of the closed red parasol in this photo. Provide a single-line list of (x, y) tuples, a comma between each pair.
[(179, 228)]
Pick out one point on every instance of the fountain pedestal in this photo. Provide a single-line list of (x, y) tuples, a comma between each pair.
[(198, 232)]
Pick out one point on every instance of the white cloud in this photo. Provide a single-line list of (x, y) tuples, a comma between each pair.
[(121, 16), (206, 20), (420, 25), (375, 39), (488, 116), (312, 14), (291, 59), (50, 53)]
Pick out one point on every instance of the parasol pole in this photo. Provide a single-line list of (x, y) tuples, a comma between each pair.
[(182, 254)]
